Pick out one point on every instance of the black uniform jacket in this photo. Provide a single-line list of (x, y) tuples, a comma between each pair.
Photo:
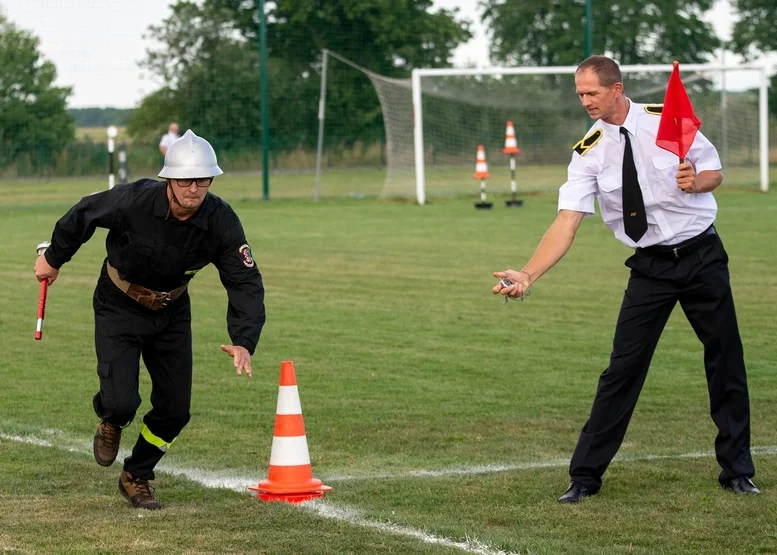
[(151, 248)]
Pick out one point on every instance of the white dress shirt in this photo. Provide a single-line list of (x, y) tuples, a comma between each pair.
[(168, 139), (672, 215)]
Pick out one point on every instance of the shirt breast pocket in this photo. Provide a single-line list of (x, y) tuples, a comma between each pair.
[(610, 193), (135, 253), (609, 183), (665, 169)]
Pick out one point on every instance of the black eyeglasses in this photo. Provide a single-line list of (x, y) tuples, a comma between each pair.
[(200, 182)]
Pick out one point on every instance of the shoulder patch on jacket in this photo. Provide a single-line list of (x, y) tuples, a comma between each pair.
[(245, 256), (654, 109), (584, 145)]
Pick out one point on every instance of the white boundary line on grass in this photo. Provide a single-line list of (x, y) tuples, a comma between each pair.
[(530, 465), (321, 508), (470, 545), (215, 480), (223, 480)]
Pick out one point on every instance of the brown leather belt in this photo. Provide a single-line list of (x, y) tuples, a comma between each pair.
[(147, 297)]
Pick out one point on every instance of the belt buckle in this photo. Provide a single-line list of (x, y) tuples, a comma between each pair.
[(676, 254)]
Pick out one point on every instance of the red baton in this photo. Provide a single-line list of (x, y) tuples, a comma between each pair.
[(44, 287)]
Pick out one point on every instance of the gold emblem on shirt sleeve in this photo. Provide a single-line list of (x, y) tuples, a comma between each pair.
[(584, 145)]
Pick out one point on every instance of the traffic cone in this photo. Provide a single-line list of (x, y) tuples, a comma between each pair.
[(481, 167), (290, 477), (481, 173), (511, 145)]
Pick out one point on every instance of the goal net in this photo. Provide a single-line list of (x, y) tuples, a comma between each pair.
[(456, 110), (435, 121)]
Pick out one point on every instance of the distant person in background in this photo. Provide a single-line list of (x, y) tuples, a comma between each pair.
[(168, 138)]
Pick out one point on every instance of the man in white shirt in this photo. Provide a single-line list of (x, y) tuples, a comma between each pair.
[(665, 211), (168, 138)]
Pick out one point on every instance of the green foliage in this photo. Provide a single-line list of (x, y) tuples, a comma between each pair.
[(209, 61), (99, 117), (236, 120), (149, 121), (547, 33), (389, 37), (83, 157), (218, 97), (33, 118), (756, 29)]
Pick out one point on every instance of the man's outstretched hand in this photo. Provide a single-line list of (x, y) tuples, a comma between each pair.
[(241, 358)]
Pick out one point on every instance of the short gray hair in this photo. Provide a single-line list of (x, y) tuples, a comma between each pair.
[(605, 69)]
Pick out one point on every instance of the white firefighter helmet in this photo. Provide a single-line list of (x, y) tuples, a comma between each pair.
[(190, 157)]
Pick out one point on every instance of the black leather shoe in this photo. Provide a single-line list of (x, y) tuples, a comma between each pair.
[(575, 493), (741, 485)]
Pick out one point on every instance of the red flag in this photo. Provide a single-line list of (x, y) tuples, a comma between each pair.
[(678, 125)]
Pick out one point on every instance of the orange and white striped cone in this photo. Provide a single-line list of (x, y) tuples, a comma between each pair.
[(481, 167), (511, 145), (290, 477), (481, 173)]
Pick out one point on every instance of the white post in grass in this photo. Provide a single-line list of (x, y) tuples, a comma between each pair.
[(763, 112), (321, 114), (123, 172), (723, 114), (112, 132), (418, 142)]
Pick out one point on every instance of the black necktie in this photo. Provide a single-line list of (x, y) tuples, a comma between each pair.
[(634, 218)]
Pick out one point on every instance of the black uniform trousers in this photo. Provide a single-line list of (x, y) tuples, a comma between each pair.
[(124, 331), (699, 280)]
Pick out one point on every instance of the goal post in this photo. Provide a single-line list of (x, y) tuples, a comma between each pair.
[(731, 123)]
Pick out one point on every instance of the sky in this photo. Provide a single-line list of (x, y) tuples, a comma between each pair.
[(96, 44)]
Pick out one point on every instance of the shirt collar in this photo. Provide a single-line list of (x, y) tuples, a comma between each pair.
[(613, 131), (162, 207), (200, 218)]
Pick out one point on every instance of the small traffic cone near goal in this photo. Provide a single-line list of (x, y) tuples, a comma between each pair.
[(481, 173), (290, 477), (511, 148)]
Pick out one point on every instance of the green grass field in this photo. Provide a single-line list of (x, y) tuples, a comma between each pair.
[(443, 420)]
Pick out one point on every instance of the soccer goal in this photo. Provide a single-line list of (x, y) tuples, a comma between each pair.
[(455, 110), (435, 121)]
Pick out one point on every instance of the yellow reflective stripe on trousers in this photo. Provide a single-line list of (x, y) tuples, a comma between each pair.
[(154, 440)]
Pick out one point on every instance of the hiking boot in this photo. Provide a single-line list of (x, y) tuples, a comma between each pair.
[(138, 492), (106, 443)]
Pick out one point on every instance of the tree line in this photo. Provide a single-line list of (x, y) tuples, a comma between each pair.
[(99, 117), (206, 53)]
